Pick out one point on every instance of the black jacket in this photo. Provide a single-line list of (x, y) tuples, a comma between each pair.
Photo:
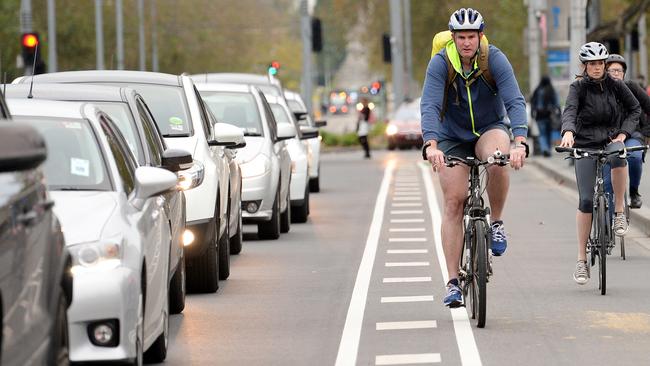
[(643, 129), (598, 110)]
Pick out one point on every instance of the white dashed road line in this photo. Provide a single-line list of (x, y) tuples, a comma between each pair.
[(417, 324), (411, 359), (405, 221), (407, 251), (407, 264), (406, 279), (407, 240), (393, 299)]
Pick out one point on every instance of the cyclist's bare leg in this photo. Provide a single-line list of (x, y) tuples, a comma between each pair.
[(499, 180), (619, 182), (583, 224), (454, 190)]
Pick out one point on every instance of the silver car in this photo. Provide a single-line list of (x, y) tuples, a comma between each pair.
[(131, 115), (265, 162), (115, 227), (298, 107)]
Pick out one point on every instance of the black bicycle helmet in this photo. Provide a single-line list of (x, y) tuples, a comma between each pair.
[(616, 58)]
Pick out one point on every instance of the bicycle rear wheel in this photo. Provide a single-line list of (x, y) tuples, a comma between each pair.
[(480, 269), (627, 216), (603, 242)]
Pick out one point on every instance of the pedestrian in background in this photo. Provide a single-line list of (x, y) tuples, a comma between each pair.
[(363, 126), (544, 109)]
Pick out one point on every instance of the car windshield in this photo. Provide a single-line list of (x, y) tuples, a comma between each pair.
[(74, 159), (269, 90), (168, 107), (239, 109), (121, 115), (280, 114)]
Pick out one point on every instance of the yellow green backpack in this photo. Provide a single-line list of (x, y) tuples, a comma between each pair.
[(440, 41)]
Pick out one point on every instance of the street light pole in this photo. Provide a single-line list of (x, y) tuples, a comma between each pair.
[(25, 27), (305, 30), (578, 34), (533, 44), (119, 36), (51, 36), (141, 35), (408, 49), (397, 51), (99, 34), (154, 38)]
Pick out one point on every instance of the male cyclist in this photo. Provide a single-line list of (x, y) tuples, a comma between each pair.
[(466, 118)]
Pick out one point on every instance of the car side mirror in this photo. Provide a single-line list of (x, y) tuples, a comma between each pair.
[(21, 147), (300, 115), (176, 160), (308, 132), (150, 181), (320, 123), (227, 135), (286, 131)]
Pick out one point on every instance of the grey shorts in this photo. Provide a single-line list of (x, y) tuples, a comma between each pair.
[(464, 149)]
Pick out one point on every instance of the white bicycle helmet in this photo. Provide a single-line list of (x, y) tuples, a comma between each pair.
[(466, 19), (593, 51)]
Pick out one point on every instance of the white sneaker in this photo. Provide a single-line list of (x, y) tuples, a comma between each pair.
[(620, 224), (581, 274)]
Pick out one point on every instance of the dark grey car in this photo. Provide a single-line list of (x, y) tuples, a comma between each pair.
[(132, 116), (35, 277)]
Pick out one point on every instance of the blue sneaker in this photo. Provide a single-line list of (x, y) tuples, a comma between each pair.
[(454, 297), (499, 240)]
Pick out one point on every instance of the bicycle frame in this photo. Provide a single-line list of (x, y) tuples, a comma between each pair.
[(473, 209)]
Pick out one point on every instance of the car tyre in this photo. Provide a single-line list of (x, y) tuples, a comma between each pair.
[(271, 229), (203, 273), (285, 217), (177, 289), (139, 340), (60, 334), (300, 213), (158, 351), (224, 249), (236, 241)]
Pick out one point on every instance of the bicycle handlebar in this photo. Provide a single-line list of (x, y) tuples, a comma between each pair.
[(498, 158), (579, 153)]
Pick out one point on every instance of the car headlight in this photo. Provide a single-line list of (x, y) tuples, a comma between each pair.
[(192, 177), (94, 256), (391, 130), (258, 166)]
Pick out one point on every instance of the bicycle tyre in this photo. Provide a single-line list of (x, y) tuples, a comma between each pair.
[(603, 241), (480, 271), (627, 216)]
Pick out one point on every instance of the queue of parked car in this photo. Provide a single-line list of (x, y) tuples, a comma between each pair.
[(123, 190)]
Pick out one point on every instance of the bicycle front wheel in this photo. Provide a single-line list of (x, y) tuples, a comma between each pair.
[(480, 269), (603, 241), (627, 216)]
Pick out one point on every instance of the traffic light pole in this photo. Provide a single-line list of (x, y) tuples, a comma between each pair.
[(397, 52), (26, 25), (51, 36), (99, 33), (307, 74), (119, 36), (141, 35)]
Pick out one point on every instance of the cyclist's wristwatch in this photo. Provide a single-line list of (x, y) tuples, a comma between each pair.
[(524, 145)]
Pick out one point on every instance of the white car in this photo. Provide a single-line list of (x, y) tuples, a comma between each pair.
[(115, 228), (298, 107), (265, 162), (299, 152), (184, 124)]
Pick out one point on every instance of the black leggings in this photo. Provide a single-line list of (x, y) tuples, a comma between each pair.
[(586, 176), (363, 140)]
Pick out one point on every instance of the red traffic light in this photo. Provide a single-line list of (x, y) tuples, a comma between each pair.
[(376, 85), (275, 65), (30, 40)]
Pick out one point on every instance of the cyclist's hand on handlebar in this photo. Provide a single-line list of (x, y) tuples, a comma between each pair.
[(517, 156), (436, 158), (567, 139), (620, 138)]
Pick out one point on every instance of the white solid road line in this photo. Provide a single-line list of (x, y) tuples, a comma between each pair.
[(407, 264), (407, 204), (406, 212), (406, 279), (464, 336), (405, 221), (417, 324), (349, 345), (407, 251), (407, 240), (412, 359), (392, 299), (407, 229)]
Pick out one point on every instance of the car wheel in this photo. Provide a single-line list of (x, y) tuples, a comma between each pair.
[(299, 213), (285, 218), (224, 250), (203, 271), (314, 184), (158, 350), (177, 289), (60, 335), (271, 228), (237, 240), (139, 339)]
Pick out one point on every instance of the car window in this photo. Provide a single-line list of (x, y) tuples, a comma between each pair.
[(295, 106), (74, 158), (169, 108), (272, 124), (280, 114), (205, 120), (151, 135), (123, 118), (123, 159), (269, 90), (238, 109)]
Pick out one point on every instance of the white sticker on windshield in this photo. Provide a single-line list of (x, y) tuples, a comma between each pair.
[(79, 167), (176, 127), (74, 125)]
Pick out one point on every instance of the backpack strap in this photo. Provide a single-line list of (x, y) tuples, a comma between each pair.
[(451, 75)]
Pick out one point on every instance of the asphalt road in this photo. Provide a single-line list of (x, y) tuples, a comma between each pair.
[(361, 284)]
